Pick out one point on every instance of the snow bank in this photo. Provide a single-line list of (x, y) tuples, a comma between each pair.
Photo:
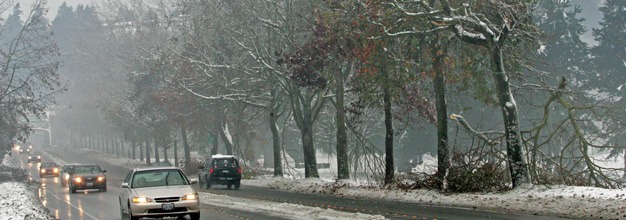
[(558, 201), (18, 202), (283, 210)]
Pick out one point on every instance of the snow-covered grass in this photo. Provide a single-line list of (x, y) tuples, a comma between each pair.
[(558, 201), (17, 199), (284, 210)]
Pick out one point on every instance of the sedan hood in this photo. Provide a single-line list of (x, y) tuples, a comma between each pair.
[(163, 191)]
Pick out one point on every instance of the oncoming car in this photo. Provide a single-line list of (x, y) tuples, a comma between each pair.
[(87, 177), (48, 169), (34, 158), (158, 192)]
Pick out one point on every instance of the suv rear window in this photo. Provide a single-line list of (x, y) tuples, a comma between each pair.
[(225, 163)]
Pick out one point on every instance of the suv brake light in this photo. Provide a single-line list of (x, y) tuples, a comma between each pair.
[(239, 170), (211, 171)]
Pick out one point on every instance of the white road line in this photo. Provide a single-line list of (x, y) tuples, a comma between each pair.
[(69, 203)]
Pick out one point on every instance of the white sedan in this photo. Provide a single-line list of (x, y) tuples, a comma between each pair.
[(158, 192)]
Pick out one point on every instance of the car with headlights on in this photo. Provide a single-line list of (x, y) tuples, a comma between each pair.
[(87, 177), (220, 169), (65, 173), (24, 150), (48, 169), (34, 158), (157, 192)]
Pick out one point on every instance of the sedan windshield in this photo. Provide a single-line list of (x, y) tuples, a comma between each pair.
[(154, 178), (48, 165), (87, 169)]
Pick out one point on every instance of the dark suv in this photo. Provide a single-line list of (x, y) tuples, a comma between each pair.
[(87, 177), (220, 169)]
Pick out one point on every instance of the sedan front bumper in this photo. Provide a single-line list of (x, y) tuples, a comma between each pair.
[(164, 208)]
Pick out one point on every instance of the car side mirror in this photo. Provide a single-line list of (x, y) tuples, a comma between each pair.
[(125, 185), (193, 181), (104, 171)]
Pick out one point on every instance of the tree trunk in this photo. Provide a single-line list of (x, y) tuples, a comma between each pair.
[(216, 144), (165, 146), (278, 165), (156, 148), (443, 153), (389, 167), (343, 169), (175, 150), (227, 139), (310, 162), (141, 154), (148, 152), (517, 162), (133, 146), (183, 132), (624, 175)]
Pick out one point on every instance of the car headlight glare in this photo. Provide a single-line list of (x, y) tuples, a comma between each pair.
[(66, 177), (141, 199), (38, 157), (192, 196), (29, 157), (55, 170), (43, 171), (100, 178), (78, 179)]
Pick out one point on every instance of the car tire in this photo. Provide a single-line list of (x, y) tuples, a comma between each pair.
[(122, 216), (229, 186), (207, 182), (73, 190), (130, 213), (201, 182), (40, 176), (194, 216), (237, 184), (103, 189)]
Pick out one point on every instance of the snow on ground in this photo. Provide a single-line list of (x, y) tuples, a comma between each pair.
[(284, 210), (558, 201), (17, 200)]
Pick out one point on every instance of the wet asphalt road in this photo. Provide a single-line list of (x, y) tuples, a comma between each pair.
[(91, 204), (103, 205)]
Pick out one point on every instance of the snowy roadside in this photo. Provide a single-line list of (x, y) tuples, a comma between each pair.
[(557, 201), (17, 199), (284, 210)]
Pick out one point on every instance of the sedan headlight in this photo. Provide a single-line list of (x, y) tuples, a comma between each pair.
[(43, 171), (100, 178), (38, 157), (55, 170), (78, 179), (192, 196), (29, 157), (141, 199), (66, 177)]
